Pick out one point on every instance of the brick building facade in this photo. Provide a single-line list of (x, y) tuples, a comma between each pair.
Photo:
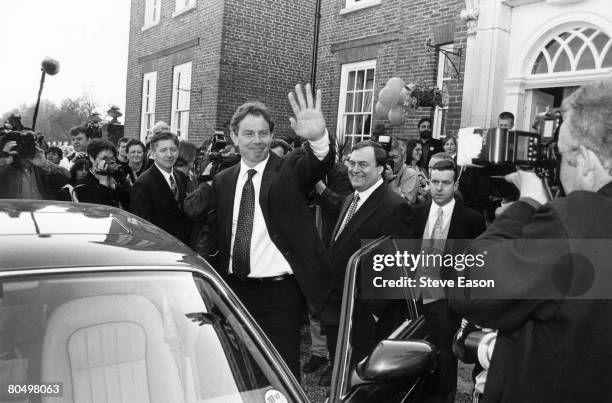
[(390, 36), (225, 51)]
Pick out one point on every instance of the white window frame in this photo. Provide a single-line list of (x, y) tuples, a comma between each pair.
[(149, 90), (441, 80), (182, 6), (346, 69), (181, 95), (354, 5), (151, 14)]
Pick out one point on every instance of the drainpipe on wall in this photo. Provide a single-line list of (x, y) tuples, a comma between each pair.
[(315, 45)]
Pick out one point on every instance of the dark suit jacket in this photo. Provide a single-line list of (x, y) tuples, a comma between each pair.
[(152, 199), (465, 223), (331, 199), (285, 185), (383, 213), (432, 147), (475, 188), (547, 347)]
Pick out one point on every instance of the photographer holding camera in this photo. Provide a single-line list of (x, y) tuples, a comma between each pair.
[(25, 172), (541, 252), (104, 182)]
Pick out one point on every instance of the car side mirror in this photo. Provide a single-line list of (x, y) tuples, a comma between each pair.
[(396, 360)]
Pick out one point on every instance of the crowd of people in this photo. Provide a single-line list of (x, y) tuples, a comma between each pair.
[(279, 224)]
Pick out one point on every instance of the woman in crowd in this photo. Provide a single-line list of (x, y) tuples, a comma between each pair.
[(136, 159), (78, 172), (414, 159), (186, 162), (449, 145)]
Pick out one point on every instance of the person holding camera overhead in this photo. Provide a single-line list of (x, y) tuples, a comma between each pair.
[(103, 184), (25, 173), (550, 260)]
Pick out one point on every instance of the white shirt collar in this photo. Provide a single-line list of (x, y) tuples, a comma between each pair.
[(363, 196), (447, 209), (244, 168), (166, 174)]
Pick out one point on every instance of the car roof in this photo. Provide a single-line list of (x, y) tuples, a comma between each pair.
[(39, 234)]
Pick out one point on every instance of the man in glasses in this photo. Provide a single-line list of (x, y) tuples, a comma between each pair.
[(550, 260)]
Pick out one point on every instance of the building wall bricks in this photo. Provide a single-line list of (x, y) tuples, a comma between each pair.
[(239, 52), (394, 33)]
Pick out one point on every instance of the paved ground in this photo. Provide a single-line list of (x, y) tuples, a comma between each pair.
[(317, 394)]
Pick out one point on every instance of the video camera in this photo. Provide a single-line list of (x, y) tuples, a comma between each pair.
[(501, 150), (213, 155), (27, 140), (385, 142)]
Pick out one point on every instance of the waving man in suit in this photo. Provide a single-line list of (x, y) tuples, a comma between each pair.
[(260, 235)]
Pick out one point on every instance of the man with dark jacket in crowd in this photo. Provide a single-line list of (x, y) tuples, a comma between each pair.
[(158, 194), (550, 263), (431, 146), (371, 211)]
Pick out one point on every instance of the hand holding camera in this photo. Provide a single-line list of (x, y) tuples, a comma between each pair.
[(529, 185), (9, 152)]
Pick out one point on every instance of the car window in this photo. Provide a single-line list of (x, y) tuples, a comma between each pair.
[(130, 336)]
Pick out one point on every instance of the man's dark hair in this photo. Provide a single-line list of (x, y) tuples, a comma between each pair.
[(281, 143), (380, 154), (56, 150), (506, 116), (446, 165), (157, 137), (132, 142), (97, 145), (80, 129), (251, 108), (424, 120), (123, 140)]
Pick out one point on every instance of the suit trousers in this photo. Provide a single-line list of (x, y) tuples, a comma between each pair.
[(277, 307), (442, 324)]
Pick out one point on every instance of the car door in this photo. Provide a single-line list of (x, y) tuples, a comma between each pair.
[(393, 370)]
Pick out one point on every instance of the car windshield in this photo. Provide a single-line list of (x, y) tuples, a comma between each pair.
[(129, 336)]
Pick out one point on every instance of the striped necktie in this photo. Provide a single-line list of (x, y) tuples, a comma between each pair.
[(349, 214)]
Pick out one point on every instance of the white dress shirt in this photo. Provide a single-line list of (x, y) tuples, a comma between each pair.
[(436, 293), (266, 259), (447, 212)]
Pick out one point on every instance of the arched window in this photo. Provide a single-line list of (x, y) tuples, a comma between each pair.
[(576, 49)]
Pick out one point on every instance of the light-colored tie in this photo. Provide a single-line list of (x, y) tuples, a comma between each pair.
[(438, 228), (349, 214)]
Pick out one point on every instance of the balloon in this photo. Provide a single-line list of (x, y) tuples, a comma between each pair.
[(396, 83), (396, 115), (381, 110), (388, 97), (404, 94)]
